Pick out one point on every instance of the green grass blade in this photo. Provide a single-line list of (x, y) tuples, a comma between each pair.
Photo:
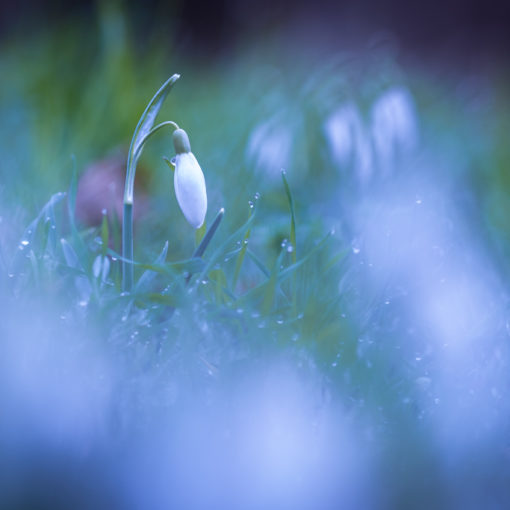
[(292, 217), (228, 242), (240, 258), (148, 275), (209, 234), (258, 263)]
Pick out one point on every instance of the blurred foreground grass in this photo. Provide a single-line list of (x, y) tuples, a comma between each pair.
[(79, 91)]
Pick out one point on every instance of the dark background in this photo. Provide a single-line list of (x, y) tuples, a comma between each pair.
[(454, 29)]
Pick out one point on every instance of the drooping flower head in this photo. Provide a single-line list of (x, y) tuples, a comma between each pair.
[(189, 182)]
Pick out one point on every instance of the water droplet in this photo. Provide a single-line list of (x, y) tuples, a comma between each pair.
[(290, 248), (25, 243), (173, 161), (334, 364), (104, 212), (279, 321), (10, 275), (283, 171), (257, 195), (204, 282), (250, 203), (239, 311), (245, 242), (418, 358), (83, 303), (355, 250), (387, 302)]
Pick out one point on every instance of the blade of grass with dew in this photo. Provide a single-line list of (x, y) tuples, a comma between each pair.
[(29, 237), (256, 292), (292, 239), (231, 239), (174, 269), (240, 257), (292, 217)]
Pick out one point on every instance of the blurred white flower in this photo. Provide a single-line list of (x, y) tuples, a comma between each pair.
[(348, 140), (269, 147), (394, 126), (189, 181)]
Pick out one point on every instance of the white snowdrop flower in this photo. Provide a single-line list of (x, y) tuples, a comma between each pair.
[(270, 147), (189, 182), (394, 126), (348, 140)]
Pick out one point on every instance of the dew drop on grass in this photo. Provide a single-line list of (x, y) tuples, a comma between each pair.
[(173, 161), (279, 321), (250, 203), (257, 195), (290, 248), (334, 364), (82, 303), (239, 311)]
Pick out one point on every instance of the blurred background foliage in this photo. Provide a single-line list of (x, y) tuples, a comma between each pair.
[(255, 96)]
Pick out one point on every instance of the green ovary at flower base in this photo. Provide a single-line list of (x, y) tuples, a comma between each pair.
[(189, 182)]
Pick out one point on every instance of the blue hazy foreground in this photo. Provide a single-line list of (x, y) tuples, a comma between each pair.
[(342, 342)]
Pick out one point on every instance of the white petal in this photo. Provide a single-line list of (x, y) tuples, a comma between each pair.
[(190, 189)]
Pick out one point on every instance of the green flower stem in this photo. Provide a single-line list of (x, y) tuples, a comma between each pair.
[(127, 217), (143, 131)]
